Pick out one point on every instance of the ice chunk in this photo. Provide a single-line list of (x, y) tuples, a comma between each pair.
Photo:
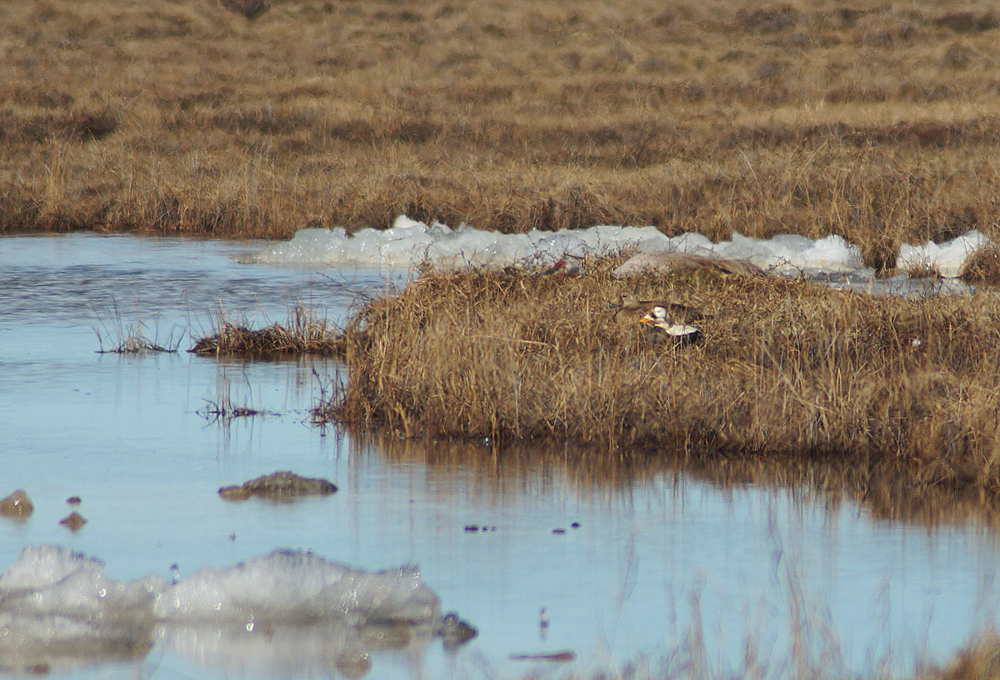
[(60, 607), (410, 242), (297, 587), (947, 259), (53, 581)]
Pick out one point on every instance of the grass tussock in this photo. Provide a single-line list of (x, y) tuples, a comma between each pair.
[(875, 122), (788, 370), (303, 334)]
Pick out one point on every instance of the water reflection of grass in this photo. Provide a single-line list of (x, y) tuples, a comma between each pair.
[(791, 633), (891, 389)]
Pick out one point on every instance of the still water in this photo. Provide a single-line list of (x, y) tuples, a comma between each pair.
[(662, 566)]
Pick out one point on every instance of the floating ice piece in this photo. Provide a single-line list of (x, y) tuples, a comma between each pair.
[(947, 259), (59, 607), (298, 587)]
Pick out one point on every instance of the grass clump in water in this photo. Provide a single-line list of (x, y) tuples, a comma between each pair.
[(125, 338), (788, 370), (303, 334)]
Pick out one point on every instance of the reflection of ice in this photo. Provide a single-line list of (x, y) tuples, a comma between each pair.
[(288, 650), (409, 243), (286, 613)]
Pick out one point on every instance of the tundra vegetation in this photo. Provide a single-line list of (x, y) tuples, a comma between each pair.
[(897, 397), (876, 121)]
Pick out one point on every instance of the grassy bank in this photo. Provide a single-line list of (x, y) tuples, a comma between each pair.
[(888, 389), (871, 120)]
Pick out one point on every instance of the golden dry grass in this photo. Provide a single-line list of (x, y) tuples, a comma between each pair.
[(303, 334), (980, 660), (245, 118), (902, 396)]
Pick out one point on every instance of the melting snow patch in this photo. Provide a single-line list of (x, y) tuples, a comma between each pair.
[(947, 259), (409, 243)]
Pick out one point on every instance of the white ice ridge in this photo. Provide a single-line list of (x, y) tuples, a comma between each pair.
[(947, 259), (286, 614), (286, 586), (409, 243)]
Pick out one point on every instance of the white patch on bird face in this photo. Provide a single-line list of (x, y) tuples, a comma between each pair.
[(658, 318)]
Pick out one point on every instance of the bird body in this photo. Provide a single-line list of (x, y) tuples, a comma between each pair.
[(631, 310), (660, 317)]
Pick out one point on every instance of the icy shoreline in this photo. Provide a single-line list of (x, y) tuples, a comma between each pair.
[(409, 243)]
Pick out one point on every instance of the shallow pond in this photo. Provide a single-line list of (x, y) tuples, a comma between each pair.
[(661, 565)]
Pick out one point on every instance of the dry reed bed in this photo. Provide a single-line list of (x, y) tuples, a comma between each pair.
[(303, 334), (789, 370), (876, 121)]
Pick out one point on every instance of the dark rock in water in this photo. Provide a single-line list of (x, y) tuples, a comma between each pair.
[(74, 500), (283, 485), (454, 632), (472, 527), (73, 521), (17, 505), (559, 531)]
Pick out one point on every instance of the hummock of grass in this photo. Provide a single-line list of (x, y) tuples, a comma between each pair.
[(303, 334), (788, 370)]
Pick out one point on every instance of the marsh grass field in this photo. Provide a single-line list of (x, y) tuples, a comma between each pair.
[(903, 389), (870, 120), (874, 121)]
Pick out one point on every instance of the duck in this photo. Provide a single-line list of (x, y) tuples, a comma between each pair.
[(631, 309), (679, 328)]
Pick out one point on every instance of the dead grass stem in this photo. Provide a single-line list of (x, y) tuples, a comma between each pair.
[(125, 338)]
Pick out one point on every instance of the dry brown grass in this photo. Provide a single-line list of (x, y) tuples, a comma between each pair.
[(980, 660), (303, 334), (254, 118), (906, 391)]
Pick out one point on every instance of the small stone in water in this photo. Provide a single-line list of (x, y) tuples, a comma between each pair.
[(74, 500), (17, 505), (73, 521), (282, 485)]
